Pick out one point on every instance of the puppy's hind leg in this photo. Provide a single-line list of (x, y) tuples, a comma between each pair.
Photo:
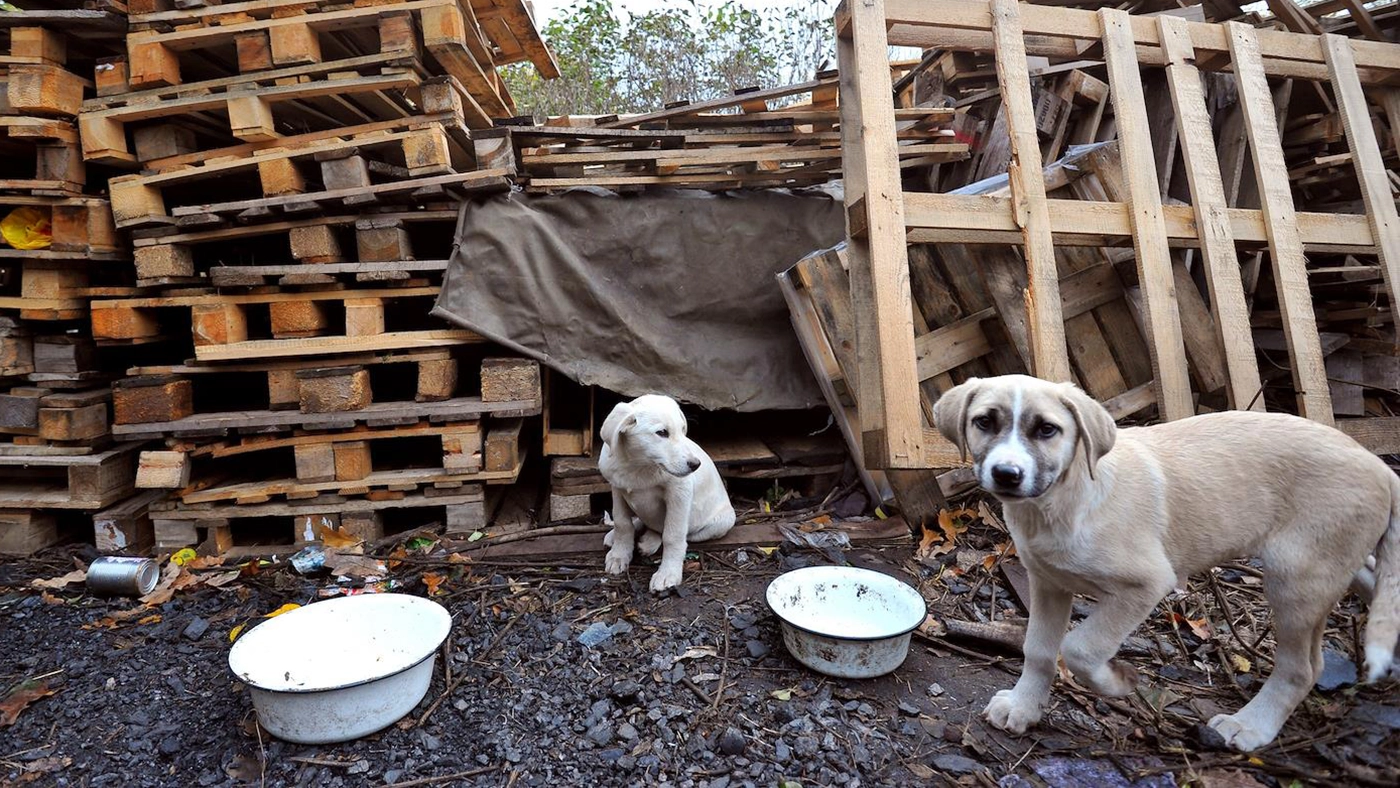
[(621, 538), (1300, 608), (649, 542)]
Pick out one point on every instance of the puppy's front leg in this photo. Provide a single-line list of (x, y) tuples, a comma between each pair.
[(673, 537), (1019, 708), (1090, 648), (623, 535)]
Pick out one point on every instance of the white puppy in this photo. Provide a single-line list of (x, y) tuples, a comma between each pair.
[(1128, 514), (662, 483)]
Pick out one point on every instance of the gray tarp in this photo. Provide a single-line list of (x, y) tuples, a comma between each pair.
[(667, 292)]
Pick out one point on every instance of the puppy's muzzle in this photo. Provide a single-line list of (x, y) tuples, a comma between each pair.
[(691, 466)]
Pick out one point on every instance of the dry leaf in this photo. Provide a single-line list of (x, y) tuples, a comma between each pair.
[(205, 562), (1240, 663), (336, 539), (49, 599), (287, 608), (154, 618), (57, 583), (222, 578), (354, 565), (18, 700), (433, 580), (698, 652), (921, 771)]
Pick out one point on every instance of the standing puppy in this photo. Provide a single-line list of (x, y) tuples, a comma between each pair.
[(1127, 515), (662, 483)]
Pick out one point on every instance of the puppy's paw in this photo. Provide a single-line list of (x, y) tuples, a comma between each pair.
[(1116, 679), (617, 561), (1239, 733), (649, 542), (1010, 713), (666, 577), (608, 538)]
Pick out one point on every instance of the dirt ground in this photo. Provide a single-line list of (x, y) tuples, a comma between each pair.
[(689, 689)]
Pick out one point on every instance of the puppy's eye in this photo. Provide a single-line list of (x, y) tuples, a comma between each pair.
[(983, 423), (1046, 430), (663, 433)]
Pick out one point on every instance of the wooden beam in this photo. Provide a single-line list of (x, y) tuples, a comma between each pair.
[(1281, 224), (1162, 317), (889, 402), (1366, 157), (1049, 353), (965, 25), (1222, 262)]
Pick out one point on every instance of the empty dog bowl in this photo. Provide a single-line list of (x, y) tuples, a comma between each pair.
[(844, 621), (343, 668)]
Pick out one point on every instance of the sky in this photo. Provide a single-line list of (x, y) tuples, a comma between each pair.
[(546, 9)]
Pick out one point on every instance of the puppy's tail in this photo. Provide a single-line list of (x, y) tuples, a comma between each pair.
[(1383, 626)]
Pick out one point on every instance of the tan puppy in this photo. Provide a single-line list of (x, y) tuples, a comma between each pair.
[(1126, 515), (666, 490)]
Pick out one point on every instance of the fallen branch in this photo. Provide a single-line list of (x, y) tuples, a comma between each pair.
[(520, 536), (443, 778)]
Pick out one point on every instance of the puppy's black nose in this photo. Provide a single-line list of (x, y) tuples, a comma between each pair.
[(693, 463), (1007, 475)]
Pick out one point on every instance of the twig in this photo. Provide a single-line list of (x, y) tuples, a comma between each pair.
[(1230, 619), (442, 779), (724, 666), (520, 536), (695, 688), (329, 762), (453, 686)]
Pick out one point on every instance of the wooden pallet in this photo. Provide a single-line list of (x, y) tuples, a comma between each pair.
[(36, 420), (276, 33), (341, 456), (40, 156), (91, 481), (229, 327), (283, 528), (127, 128), (313, 386), (326, 166), (379, 246), (310, 397), (82, 229), (48, 361), (883, 218)]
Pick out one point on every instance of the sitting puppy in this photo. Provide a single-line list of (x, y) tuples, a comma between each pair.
[(1128, 514), (662, 483)]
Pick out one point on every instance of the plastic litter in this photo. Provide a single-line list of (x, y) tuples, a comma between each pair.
[(309, 559), (27, 227)]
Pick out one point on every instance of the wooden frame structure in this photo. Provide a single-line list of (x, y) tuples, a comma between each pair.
[(883, 218)]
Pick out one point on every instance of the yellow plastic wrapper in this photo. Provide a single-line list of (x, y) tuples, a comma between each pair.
[(27, 228)]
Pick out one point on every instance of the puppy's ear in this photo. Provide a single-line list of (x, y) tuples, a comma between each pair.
[(1097, 432), (950, 413), (618, 420)]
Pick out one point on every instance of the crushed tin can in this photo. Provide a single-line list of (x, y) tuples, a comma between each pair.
[(117, 575)]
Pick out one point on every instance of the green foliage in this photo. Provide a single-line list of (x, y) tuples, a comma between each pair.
[(611, 64)]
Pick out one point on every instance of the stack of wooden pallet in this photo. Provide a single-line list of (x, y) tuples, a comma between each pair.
[(56, 449), (262, 329), (756, 138), (1136, 184)]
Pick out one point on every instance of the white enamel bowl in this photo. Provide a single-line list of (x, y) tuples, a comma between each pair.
[(844, 621), (342, 668)]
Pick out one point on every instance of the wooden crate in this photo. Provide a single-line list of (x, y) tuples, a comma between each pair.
[(883, 218)]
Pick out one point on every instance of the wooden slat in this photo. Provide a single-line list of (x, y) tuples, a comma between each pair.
[(965, 25), (1285, 244), (959, 218), (1212, 216), (1049, 354), (889, 388), (1162, 318), (1366, 156)]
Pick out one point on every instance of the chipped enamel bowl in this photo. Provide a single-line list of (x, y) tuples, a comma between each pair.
[(844, 621), (343, 668)]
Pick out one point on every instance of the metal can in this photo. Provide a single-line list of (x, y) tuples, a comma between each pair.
[(122, 576)]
